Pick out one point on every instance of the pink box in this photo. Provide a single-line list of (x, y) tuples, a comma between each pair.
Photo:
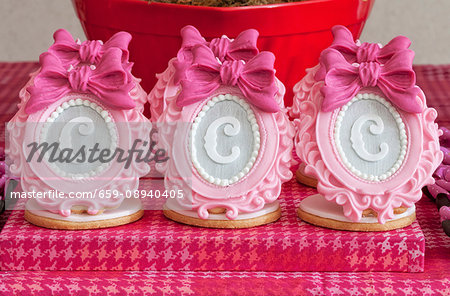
[(156, 243)]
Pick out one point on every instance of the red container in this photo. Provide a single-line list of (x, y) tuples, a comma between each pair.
[(295, 32)]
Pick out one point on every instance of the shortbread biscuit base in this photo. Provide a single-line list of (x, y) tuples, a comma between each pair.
[(304, 179), (312, 182), (83, 211), (352, 226), (370, 212), (244, 223), (70, 225), (217, 210)]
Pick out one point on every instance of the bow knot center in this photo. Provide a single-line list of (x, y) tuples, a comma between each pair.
[(367, 52), (90, 51), (369, 72), (231, 71), (219, 47), (79, 78)]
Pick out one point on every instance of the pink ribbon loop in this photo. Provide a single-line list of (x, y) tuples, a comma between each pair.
[(255, 79), (108, 81), (242, 48), (366, 52), (396, 79), (191, 37), (74, 53)]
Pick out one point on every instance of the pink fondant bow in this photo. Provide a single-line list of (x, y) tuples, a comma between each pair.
[(108, 81), (366, 52), (242, 48), (256, 79), (395, 79), (72, 52)]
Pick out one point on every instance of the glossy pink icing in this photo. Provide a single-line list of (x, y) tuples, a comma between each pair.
[(355, 52), (242, 48), (255, 79), (115, 178), (72, 52), (314, 147), (396, 79), (107, 80)]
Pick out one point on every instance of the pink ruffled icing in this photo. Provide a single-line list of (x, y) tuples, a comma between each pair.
[(302, 90), (164, 87)]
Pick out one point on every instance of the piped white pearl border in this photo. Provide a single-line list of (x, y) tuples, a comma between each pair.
[(256, 140), (401, 128), (106, 117)]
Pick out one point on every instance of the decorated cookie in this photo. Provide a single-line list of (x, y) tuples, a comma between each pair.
[(73, 138), (353, 52), (228, 138), (365, 133)]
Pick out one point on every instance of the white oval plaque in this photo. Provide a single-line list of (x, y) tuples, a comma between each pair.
[(370, 137), (225, 140), (77, 126)]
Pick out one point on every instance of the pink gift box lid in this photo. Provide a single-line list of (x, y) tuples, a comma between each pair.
[(156, 243)]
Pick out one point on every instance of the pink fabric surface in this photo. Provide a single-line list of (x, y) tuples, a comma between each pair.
[(434, 80), (156, 243), (435, 280)]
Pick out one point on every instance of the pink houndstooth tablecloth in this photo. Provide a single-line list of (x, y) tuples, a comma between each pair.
[(435, 280)]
